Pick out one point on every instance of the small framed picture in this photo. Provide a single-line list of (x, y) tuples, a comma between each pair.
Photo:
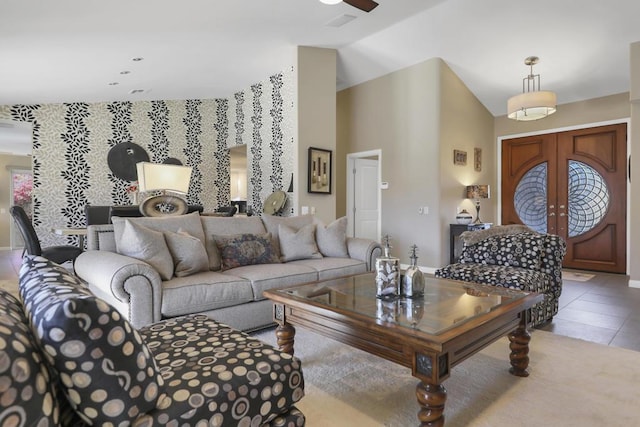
[(319, 171), (459, 157), (477, 159)]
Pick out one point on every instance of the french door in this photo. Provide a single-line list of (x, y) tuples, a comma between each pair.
[(573, 184)]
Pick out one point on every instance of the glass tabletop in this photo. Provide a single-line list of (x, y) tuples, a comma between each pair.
[(445, 304)]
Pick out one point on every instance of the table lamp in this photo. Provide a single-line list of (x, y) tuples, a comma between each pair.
[(478, 192), (154, 177)]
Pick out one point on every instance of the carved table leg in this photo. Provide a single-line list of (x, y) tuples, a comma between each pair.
[(520, 349), (285, 334), (431, 398)]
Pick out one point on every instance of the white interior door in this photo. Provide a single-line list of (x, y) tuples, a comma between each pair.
[(366, 198)]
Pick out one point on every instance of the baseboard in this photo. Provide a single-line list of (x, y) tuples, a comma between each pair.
[(634, 283), (5, 248)]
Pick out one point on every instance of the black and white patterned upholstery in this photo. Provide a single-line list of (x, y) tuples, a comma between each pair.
[(29, 397), (525, 260), (76, 351)]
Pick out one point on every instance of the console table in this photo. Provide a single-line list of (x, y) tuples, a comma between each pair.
[(455, 244)]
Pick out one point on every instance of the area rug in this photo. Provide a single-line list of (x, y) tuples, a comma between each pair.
[(577, 277), (572, 383)]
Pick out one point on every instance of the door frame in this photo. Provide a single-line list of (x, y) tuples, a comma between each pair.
[(563, 129), (351, 157)]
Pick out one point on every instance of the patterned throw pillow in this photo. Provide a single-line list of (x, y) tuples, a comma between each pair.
[(245, 249), (332, 239), (297, 244), (28, 394), (105, 368), (514, 250)]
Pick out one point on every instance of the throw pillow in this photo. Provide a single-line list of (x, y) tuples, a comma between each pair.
[(188, 253), (146, 245), (332, 239), (297, 244), (189, 223), (105, 368), (29, 395), (245, 249), (272, 223)]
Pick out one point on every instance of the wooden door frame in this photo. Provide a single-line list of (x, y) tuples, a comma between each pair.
[(499, 140)]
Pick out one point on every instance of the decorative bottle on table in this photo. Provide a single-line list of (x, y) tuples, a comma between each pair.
[(413, 279), (387, 273)]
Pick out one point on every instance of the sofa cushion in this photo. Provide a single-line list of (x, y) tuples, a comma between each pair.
[(188, 253), (147, 245), (272, 223), (222, 226), (297, 244), (204, 291), (497, 275), (331, 268), (29, 397), (190, 223), (245, 249), (217, 376), (332, 238), (514, 250), (272, 276), (106, 370)]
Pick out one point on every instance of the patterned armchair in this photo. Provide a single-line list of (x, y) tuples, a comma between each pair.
[(513, 256)]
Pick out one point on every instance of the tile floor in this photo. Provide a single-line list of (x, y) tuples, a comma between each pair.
[(603, 309)]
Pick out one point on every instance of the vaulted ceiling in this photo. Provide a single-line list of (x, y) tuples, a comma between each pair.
[(71, 50)]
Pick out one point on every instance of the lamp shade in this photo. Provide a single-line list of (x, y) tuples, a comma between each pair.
[(478, 191), (531, 105), (163, 177)]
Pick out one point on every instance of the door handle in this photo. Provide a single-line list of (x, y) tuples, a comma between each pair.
[(552, 214), (563, 214)]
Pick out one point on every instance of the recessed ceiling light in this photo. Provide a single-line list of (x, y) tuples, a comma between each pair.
[(134, 91), (137, 59), (113, 83), (125, 72)]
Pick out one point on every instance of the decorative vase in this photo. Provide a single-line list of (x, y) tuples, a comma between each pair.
[(387, 273), (413, 279), (464, 217)]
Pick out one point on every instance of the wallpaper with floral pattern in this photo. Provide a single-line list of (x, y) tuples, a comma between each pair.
[(71, 142)]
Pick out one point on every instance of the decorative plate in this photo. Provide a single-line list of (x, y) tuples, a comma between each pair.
[(164, 205), (275, 202), (122, 159)]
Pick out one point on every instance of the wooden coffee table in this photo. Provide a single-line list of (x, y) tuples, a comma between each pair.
[(431, 335)]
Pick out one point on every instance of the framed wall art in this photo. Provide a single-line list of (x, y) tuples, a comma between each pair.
[(477, 159), (459, 157), (319, 171)]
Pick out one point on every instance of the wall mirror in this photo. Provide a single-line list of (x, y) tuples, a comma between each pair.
[(238, 176)]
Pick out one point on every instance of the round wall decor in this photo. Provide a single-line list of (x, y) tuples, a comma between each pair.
[(275, 202), (122, 159)]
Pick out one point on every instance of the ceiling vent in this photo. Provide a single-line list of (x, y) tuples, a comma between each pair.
[(339, 21)]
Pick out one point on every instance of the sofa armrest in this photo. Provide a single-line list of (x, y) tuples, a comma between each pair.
[(364, 250), (131, 285)]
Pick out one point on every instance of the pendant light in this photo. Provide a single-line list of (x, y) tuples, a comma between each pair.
[(532, 103)]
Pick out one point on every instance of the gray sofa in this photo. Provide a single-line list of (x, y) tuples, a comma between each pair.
[(158, 268)]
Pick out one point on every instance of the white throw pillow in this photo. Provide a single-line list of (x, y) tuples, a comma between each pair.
[(146, 245), (188, 253), (297, 244), (332, 239), (272, 223)]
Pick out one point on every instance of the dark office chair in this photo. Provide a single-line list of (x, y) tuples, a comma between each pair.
[(57, 254), (227, 210), (96, 214)]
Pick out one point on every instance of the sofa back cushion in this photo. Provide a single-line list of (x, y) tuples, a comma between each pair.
[(514, 250), (226, 226), (29, 397), (189, 223), (106, 370), (332, 238)]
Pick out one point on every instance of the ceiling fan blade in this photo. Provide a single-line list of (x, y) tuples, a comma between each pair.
[(366, 5)]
